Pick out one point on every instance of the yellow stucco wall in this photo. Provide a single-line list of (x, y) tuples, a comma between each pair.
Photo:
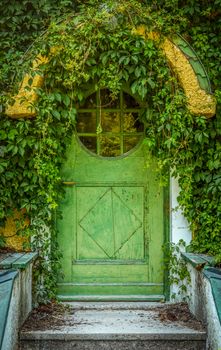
[(23, 105), (199, 101), (13, 240)]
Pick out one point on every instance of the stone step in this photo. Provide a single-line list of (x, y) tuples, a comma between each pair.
[(114, 326)]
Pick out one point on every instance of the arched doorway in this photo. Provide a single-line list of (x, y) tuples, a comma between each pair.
[(113, 224), (195, 83)]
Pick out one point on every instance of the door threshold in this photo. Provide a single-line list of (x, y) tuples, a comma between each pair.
[(159, 298)]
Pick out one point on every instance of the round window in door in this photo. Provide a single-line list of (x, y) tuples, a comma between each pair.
[(107, 126)]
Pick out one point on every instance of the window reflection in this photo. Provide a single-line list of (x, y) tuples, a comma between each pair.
[(90, 101), (129, 101), (110, 146), (130, 142), (109, 126), (87, 122), (131, 123), (90, 143), (110, 121), (108, 100)]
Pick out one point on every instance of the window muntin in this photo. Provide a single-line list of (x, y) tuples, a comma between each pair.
[(107, 126)]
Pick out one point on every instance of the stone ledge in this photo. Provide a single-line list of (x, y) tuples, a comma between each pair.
[(113, 345), (198, 260), (66, 335), (15, 295), (6, 286), (204, 294), (16, 260), (214, 276)]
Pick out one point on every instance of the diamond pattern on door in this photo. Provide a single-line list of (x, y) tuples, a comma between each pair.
[(110, 222)]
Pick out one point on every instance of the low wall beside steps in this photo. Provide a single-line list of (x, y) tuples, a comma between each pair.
[(204, 295), (15, 295)]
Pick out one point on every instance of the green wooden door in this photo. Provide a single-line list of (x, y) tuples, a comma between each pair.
[(112, 228)]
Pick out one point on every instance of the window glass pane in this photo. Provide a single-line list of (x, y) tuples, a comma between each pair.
[(109, 146), (105, 120), (129, 101), (130, 142), (107, 100), (90, 101), (90, 142), (131, 123), (110, 122), (86, 122), (87, 102)]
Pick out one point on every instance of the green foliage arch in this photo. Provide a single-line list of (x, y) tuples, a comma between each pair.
[(96, 45)]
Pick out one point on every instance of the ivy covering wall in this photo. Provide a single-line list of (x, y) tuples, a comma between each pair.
[(96, 43)]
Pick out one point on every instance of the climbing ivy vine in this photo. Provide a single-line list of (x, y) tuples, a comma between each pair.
[(95, 45)]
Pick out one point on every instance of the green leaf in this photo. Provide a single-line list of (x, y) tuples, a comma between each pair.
[(56, 114), (134, 87), (135, 59), (21, 151), (58, 96), (137, 72), (151, 83), (66, 100), (125, 75), (3, 135), (72, 114), (30, 81), (12, 134)]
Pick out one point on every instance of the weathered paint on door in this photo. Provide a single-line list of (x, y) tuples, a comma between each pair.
[(111, 233)]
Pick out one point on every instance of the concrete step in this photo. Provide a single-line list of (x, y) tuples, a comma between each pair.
[(114, 326)]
